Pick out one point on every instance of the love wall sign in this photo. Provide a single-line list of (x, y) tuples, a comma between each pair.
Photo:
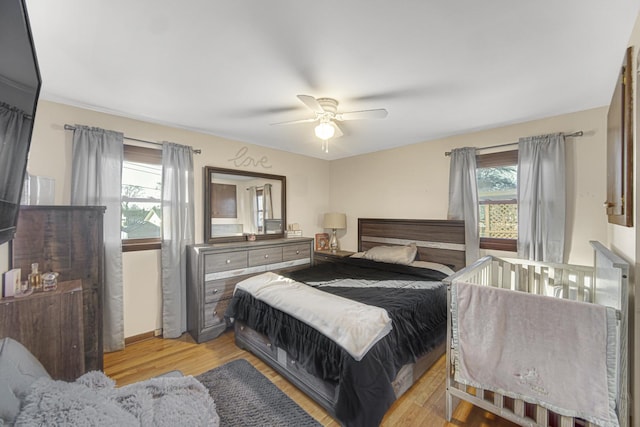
[(243, 159)]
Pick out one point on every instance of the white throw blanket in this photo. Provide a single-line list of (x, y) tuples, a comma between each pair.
[(549, 351), (354, 326), (93, 400)]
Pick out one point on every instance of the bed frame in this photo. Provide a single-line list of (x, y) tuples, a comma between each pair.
[(439, 241), (605, 284)]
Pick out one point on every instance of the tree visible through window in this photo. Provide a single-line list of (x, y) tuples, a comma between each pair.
[(141, 198), (497, 177)]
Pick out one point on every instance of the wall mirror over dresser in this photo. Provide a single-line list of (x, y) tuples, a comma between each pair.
[(240, 203)]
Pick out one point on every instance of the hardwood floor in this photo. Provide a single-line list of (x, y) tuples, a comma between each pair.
[(422, 405)]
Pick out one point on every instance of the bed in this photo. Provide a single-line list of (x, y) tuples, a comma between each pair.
[(539, 343), (357, 385)]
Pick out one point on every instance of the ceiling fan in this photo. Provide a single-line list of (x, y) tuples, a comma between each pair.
[(326, 112)]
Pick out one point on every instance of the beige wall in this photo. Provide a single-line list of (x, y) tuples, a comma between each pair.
[(412, 181), (50, 155)]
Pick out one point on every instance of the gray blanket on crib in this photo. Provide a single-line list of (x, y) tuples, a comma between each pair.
[(557, 353)]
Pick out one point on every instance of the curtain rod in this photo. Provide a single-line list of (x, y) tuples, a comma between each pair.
[(69, 127), (578, 133)]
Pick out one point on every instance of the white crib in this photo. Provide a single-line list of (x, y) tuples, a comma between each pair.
[(606, 284)]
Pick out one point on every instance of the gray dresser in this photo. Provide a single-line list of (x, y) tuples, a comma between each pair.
[(214, 270)]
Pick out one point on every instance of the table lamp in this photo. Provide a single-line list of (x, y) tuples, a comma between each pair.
[(335, 221)]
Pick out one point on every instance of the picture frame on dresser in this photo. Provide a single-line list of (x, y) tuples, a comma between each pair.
[(322, 241)]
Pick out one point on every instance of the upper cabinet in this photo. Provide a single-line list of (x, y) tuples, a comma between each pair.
[(239, 204), (619, 203)]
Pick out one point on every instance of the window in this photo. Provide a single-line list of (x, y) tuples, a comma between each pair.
[(497, 176), (141, 198)]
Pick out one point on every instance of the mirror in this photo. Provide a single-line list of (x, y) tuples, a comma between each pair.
[(239, 203), (19, 91)]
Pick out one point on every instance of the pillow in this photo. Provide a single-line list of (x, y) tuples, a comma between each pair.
[(18, 370), (392, 254), (433, 266)]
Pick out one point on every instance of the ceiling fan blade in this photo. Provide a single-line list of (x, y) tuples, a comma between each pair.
[(293, 122), (338, 133), (379, 113), (312, 103)]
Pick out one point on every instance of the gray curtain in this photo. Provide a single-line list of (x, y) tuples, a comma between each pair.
[(96, 181), (177, 233), (541, 198), (14, 126), (267, 202), (252, 211), (463, 197)]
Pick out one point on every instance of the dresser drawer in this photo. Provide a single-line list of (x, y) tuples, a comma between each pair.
[(219, 289), (299, 251), (214, 263), (214, 313), (260, 343), (265, 256), (296, 252)]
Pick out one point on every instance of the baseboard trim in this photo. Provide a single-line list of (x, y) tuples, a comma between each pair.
[(142, 337)]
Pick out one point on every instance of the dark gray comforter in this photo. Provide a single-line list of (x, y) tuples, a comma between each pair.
[(365, 391)]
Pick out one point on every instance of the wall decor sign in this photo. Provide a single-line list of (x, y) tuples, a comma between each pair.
[(242, 159)]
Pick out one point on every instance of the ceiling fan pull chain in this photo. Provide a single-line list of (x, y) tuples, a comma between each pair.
[(325, 145)]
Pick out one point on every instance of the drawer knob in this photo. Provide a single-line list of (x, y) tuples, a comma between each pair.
[(228, 261), (297, 252), (266, 255), (215, 291), (215, 313)]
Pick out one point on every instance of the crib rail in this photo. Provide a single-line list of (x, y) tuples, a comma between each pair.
[(567, 281), (515, 410)]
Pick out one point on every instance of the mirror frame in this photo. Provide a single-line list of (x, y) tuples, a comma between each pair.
[(208, 172)]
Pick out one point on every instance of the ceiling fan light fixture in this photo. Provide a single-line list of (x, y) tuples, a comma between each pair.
[(324, 130)]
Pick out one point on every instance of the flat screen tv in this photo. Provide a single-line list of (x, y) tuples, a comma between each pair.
[(19, 90)]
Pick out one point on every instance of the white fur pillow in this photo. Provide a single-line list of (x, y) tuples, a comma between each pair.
[(392, 254)]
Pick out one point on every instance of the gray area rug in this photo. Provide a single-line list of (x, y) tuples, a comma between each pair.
[(245, 397)]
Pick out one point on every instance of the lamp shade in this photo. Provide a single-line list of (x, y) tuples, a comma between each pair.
[(324, 130), (335, 220)]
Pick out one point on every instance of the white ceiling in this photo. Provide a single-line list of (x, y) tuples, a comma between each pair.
[(232, 67)]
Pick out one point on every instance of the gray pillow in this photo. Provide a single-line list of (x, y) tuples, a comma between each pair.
[(18, 370), (392, 254)]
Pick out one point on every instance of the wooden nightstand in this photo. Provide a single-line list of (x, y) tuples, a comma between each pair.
[(320, 257)]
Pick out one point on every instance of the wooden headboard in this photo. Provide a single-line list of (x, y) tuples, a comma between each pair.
[(438, 240)]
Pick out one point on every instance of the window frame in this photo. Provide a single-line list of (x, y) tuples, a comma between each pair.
[(501, 158), (134, 153)]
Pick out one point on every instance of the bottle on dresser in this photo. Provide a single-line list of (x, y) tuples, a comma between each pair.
[(35, 280)]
